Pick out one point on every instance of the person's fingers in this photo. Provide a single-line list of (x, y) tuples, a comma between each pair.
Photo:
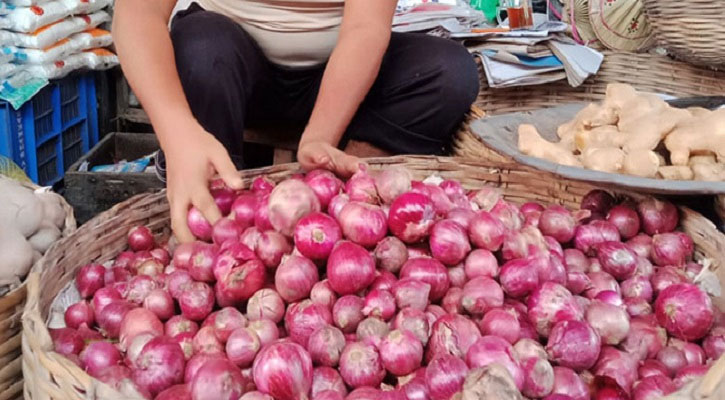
[(203, 201), (345, 165), (227, 171), (312, 157), (179, 209)]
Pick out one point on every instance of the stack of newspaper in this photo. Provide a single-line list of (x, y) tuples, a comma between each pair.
[(451, 15)]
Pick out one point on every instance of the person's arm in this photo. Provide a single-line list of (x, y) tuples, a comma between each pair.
[(350, 72), (143, 43)]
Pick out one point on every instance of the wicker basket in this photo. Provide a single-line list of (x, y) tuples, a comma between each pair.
[(11, 310), (51, 376), (692, 31)]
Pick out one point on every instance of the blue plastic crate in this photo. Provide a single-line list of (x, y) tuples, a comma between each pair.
[(53, 130)]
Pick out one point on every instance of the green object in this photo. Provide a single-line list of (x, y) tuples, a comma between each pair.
[(487, 6), (11, 170)]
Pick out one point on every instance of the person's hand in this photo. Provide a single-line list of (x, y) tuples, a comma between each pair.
[(316, 154), (190, 163)]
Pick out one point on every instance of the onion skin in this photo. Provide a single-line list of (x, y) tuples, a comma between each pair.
[(401, 352), (225, 230), (665, 277), (136, 321), (176, 392), (243, 210), (98, 356), (617, 365), (347, 313), (218, 379), (657, 216), (552, 303), (414, 321), (315, 236), (198, 225), (714, 343), (197, 301), (452, 301), (671, 249), (322, 293), (653, 388), (326, 379), (159, 302), (609, 321), (391, 183), (242, 347), (529, 348), (597, 201), (109, 320), (429, 271), (391, 254), (578, 358), (652, 367), (638, 287), (588, 237), (641, 244), (350, 268), (324, 184), (89, 279), (325, 346), (452, 334), (140, 238), (295, 277), (449, 242), (557, 222), (673, 359), (538, 377), (480, 295), (284, 371), (79, 314), (66, 341), (159, 366), (224, 322), (685, 311), (411, 217), (265, 304), (304, 318), (576, 261), (410, 292), (457, 276), (481, 262), (689, 374), (271, 246), (362, 223), (501, 323), (486, 232), (626, 220), (444, 377), (379, 303), (519, 278), (617, 259), (371, 331), (360, 365), (568, 383), (601, 282), (645, 338), (289, 201), (492, 349), (694, 354), (266, 330)]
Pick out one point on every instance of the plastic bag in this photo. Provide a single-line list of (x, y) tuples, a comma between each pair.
[(51, 34), (8, 69), (21, 87), (12, 170), (6, 8), (99, 59), (74, 44), (29, 19), (26, 3), (95, 59)]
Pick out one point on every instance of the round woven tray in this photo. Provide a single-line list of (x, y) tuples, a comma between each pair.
[(52, 376), (11, 311), (692, 30)]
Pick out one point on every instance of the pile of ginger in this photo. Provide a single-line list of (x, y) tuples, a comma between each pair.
[(637, 134)]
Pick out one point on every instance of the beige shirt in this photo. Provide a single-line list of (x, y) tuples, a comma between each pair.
[(294, 33)]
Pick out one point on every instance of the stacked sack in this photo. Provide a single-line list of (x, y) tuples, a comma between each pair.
[(50, 38)]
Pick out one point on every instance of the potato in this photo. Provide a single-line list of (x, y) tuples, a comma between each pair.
[(52, 208), (44, 237), (16, 256), (19, 208)]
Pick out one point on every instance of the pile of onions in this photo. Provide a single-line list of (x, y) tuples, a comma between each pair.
[(383, 287)]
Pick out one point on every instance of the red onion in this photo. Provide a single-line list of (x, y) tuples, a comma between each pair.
[(177, 282), (641, 244), (414, 386), (136, 321), (671, 249), (714, 343), (568, 383), (430, 271), (89, 279), (486, 198), (441, 203), (360, 365), (391, 254), (250, 238), (597, 201), (336, 205), (523, 243), (242, 347), (295, 277), (508, 214), (206, 341), (557, 222), (418, 251), (271, 246), (159, 302), (601, 281), (609, 321), (243, 210), (327, 379), (693, 353), (224, 322), (140, 238), (481, 262), (576, 261), (492, 349), (501, 323), (262, 185), (529, 348), (110, 317), (324, 184), (322, 293), (577, 282), (486, 232), (117, 274), (652, 367), (609, 297), (410, 292), (371, 330), (159, 365), (538, 377), (161, 255), (617, 365), (266, 331), (411, 217), (178, 324), (391, 183), (637, 287), (182, 255), (589, 237), (363, 223), (579, 357), (657, 216), (197, 301), (66, 341), (265, 304), (673, 359), (98, 356), (176, 392), (594, 265), (139, 287), (242, 282), (198, 225), (380, 304), (463, 216), (401, 352), (218, 379), (347, 313), (79, 314), (304, 318), (316, 235), (452, 334), (685, 311), (555, 248), (626, 220), (185, 340), (384, 280), (365, 393), (552, 303), (225, 230), (444, 376), (617, 259), (202, 261), (350, 268), (196, 362), (653, 388), (449, 242), (452, 301), (689, 374), (665, 277), (531, 208), (481, 294), (413, 321), (325, 346), (288, 203), (125, 259), (645, 338), (361, 187), (551, 268), (519, 277)]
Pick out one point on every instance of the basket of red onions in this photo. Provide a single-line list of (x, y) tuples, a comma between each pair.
[(418, 278)]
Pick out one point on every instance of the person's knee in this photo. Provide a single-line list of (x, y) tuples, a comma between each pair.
[(458, 83)]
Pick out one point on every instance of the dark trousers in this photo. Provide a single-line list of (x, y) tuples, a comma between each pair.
[(424, 87)]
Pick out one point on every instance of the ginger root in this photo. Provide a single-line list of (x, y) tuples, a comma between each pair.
[(592, 116), (701, 135), (644, 163), (711, 172), (532, 144), (602, 136), (607, 159), (676, 172)]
